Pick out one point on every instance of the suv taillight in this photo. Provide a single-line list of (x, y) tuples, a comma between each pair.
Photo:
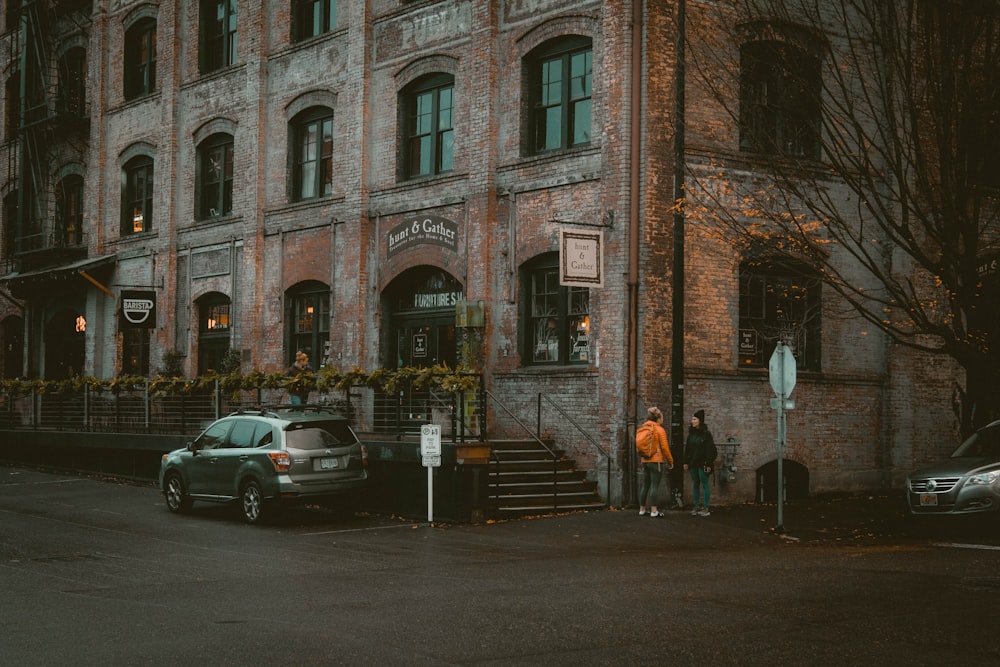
[(281, 461), (364, 455)]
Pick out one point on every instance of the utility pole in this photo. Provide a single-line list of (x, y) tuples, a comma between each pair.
[(677, 346)]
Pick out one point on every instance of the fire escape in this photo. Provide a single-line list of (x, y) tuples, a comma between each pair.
[(52, 129)]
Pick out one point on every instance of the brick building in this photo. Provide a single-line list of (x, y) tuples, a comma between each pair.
[(337, 177)]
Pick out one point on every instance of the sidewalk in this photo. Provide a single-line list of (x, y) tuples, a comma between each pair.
[(829, 518)]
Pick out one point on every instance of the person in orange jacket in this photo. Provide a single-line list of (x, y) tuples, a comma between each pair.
[(652, 467)]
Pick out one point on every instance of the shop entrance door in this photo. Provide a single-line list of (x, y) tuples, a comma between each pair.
[(421, 335)]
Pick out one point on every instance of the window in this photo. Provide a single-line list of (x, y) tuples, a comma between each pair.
[(10, 208), (428, 110), (140, 59), (218, 34), (135, 351), (314, 17), (309, 322), (779, 100), (12, 106), (213, 331), (779, 301), (558, 321), (560, 76), (72, 97), (69, 211), (312, 172), (216, 189), (137, 207)]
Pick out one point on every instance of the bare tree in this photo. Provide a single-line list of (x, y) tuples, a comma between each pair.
[(869, 135)]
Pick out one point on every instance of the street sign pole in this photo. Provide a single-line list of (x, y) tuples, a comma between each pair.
[(430, 453), (782, 372)]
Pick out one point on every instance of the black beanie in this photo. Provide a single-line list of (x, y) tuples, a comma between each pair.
[(700, 414)]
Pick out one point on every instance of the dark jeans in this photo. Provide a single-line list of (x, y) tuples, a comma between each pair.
[(651, 474), (699, 483)]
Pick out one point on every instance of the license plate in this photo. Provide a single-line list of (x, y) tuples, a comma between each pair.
[(328, 464), (928, 500)]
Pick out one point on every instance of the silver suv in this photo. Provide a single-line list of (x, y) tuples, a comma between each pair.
[(966, 483), (258, 458)]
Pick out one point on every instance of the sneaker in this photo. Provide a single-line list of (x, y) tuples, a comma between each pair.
[(655, 514), (642, 512), (696, 510), (704, 512)]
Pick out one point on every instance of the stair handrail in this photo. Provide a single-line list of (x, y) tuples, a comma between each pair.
[(552, 453), (572, 422)]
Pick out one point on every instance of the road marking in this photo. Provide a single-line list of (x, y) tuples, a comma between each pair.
[(359, 530), (959, 545)]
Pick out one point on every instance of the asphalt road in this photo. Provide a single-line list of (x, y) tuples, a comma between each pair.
[(97, 572)]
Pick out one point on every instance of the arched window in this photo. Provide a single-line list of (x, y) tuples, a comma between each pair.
[(140, 59), (779, 300), (779, 100), (72, 91), (137, 196), (559, 77), (215, 161), (69, 211), (218, 34), (312, 159), (309, 322), (314, 17), (556, 324), (427, 113), (213, 331)]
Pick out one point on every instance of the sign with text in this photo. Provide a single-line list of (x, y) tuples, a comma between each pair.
[(581, 259), (424, 229), (138, 310)]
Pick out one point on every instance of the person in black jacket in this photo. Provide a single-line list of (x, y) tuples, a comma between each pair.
[(699, 461)]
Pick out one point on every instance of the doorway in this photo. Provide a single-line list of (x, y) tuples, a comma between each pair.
[(65, 333), (420, 305)]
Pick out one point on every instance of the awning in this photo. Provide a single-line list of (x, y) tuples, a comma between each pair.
[(21, 283)]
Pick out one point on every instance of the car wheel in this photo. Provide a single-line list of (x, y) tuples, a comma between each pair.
[(173, 491), (251, 502)]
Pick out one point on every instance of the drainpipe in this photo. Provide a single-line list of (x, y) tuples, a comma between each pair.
[(629, 490), (677, 276)]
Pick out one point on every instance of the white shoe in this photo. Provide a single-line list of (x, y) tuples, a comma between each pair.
[(704, 512), (696, 510), (642, 512), (655, 514)]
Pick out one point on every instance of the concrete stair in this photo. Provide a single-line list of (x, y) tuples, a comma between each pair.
[(523, 482)]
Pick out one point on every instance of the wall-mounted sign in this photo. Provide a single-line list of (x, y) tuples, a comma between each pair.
[(581, 259), (748, 341), (419, 345), (424, 229), (138, 310)]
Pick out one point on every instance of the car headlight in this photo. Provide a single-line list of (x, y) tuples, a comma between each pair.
[(985, 477)]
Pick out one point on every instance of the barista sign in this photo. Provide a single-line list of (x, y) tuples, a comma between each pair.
[(138, 310)]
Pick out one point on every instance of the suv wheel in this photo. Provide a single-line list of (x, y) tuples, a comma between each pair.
[(251, 502), (173, 491)]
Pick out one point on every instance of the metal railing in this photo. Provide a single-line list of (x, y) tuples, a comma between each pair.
[(537, 439), (579, 429)]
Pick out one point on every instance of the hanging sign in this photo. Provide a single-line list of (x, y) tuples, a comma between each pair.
[(581, 259), (138, 310)]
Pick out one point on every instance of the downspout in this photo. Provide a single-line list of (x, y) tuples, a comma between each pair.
[(677, 273), (629, 491)]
